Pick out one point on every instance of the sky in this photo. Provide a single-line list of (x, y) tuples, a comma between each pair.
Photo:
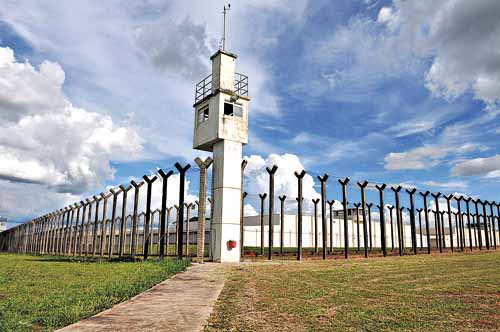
[(96, 93)]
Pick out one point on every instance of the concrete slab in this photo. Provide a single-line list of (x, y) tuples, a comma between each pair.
[(181, 303)]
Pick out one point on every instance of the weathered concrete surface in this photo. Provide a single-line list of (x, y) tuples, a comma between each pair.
[(181, 303)]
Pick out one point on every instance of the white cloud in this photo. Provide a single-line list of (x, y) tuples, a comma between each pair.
[(488, 167), (424, 157), (384, 15), (460, 185)]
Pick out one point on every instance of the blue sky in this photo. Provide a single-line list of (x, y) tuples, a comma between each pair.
[(388, 91)]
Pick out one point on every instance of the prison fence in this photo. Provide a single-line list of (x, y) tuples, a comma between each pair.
[(345, 217)]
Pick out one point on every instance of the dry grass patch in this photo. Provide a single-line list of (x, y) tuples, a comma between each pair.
[(457, 292)]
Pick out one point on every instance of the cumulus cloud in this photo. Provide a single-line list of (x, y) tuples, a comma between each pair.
[(45, 140), (462, 60), (488, 167), (423, 157)]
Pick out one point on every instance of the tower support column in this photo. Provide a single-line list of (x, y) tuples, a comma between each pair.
[(225, 225)]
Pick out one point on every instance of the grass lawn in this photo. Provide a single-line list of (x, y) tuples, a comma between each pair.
[(459, 292), (40, 293)]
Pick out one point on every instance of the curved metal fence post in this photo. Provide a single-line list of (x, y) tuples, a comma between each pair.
[(493, 231), (460, 226), (412, 220), (448, 203), (104, 227), (96, 225), (112, 228), (300, 177), (426, 215), (282, 221), (123, 223), (478, 223), (262, 199), (485, 218), (330, 206), (149, 183), (357, 205), (164, 187), (82, 228), (398, 218), (182, 183), (271, 171), (322, 180), (420, 226), (362, 187), (391, 207), (369, 206), (75, 230), (315, 202), (344, 183), (135, 221), (467, 201), (437, 222), (383, 236)]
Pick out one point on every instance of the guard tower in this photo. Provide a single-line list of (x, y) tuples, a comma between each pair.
[(221, 127)]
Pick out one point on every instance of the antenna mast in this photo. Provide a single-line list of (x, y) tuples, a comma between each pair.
[(224, 34)]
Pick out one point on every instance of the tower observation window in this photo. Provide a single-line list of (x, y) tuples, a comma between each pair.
[(203, 115), (233, 110)]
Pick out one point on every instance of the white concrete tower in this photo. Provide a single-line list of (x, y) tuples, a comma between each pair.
[(221, 126)]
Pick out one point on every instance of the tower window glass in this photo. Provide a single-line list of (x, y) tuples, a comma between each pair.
[(233, 110), (203, 115)]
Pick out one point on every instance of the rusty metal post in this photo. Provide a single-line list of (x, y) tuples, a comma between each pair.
[(271, 171), (262, 199), (123, 223), (164, 179), (282, 221), (362, 187), (357, 205), (467, 201), (315, 202), (398, 217), (182, 183), (133, 244), (300, 177), (383, 236), (437, 221), (344, 184), (112, 230), (149, 185), (330, 206), (322, 180)]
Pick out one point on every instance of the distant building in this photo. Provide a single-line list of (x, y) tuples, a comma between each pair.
[(3, 224)]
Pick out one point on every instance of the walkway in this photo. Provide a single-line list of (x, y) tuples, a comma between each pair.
[(181, 303)]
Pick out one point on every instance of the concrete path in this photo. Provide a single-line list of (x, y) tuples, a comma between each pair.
[(181, 303)]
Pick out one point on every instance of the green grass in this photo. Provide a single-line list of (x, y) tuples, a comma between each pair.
[(458, 292), (43, 293)]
